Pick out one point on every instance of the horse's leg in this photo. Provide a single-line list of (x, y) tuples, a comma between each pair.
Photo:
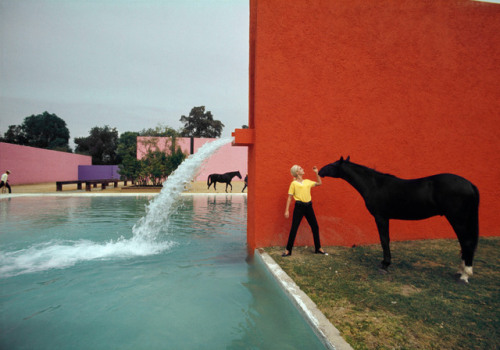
[(383, 232), (467, 231), (231, 187)]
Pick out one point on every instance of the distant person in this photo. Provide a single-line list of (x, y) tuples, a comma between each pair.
[(300, 190), (246, 183), (4, 180)]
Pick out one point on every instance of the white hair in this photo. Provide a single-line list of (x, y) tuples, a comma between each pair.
[(294, 170)]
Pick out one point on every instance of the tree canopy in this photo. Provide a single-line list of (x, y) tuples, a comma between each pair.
[(159, 131), (44, 130), (201, 124), (101, 144), (127, 154), (156, 165)]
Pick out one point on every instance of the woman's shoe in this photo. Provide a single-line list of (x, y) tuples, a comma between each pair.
[(286, 254), (320, 252)]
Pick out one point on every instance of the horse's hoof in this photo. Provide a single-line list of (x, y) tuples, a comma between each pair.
[(383, 270), (462, 279)]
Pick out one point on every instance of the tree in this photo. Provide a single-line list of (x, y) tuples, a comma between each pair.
[(175, 158), (153, 168), (126, 151), (14, 135), (101, 144), (159, 131), (156, 165), (201, 124), (42, 130)]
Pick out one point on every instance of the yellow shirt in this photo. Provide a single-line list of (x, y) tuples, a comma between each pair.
[(301, 191)]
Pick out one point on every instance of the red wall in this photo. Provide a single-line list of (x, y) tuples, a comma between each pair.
[(407, 87), (36, 165)]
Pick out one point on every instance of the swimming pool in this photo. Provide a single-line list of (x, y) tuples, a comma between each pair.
[(74, 275)]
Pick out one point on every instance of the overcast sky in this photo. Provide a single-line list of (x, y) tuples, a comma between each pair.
[(128, 64)]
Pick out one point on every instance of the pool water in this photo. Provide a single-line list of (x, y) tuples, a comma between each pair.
[(73, 275)]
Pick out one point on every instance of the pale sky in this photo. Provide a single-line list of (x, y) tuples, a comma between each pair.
[(128, 64)]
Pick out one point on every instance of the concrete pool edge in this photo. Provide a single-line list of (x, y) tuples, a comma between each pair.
[(327, 333)]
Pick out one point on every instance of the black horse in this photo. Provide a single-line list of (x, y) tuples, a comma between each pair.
[(388, 197), (226, 177)]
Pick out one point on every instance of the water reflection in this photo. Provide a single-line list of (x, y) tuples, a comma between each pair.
[(207, 216)]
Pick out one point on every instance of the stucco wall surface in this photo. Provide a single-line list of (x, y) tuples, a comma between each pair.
[(98, 172), (35, 165), (226, 159), (410, 88)]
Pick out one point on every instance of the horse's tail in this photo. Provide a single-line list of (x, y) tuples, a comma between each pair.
[(472, 224), (209, 181), (475, 218)]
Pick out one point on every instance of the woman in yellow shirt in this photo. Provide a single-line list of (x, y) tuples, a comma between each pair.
[(300, 190)]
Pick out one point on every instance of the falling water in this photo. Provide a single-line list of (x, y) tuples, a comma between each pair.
[(144, 241), (158, 210)]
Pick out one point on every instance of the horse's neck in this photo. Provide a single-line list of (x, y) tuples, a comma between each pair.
[(359, 177)]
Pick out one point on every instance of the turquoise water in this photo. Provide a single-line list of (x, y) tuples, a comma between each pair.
[(74, 275)]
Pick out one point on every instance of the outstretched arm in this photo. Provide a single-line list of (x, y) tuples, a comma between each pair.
[(318, 178)]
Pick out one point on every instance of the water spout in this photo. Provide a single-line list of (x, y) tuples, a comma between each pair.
[(158, 210)]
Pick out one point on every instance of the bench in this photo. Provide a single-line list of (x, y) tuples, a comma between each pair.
[(89, 183), (104, 183), (59, 184)]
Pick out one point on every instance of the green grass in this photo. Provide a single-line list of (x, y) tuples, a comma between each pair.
[(418, 305)]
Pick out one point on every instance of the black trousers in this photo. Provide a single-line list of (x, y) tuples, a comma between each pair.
[(6, 184), (300, 210)]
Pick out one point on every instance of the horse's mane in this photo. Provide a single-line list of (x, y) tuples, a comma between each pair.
[(368, 169)]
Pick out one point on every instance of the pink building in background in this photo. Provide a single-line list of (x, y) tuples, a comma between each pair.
[(36, 165), (226, 159)]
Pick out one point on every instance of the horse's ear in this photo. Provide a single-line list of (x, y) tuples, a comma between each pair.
[(341, 159), (348, 158)]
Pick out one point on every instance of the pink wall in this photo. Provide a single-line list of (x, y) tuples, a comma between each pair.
[(226, 159), (35, 165), (146, 143)]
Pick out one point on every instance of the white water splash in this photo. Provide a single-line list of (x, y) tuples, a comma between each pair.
[(145, 240), (64, 254)]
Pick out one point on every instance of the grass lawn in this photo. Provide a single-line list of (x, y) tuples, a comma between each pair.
[(417, 305)]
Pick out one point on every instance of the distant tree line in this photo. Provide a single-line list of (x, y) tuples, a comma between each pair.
[(107, 147), (43, 131)]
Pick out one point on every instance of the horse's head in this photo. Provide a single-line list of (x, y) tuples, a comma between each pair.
[(238, 174), (333, 169)]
